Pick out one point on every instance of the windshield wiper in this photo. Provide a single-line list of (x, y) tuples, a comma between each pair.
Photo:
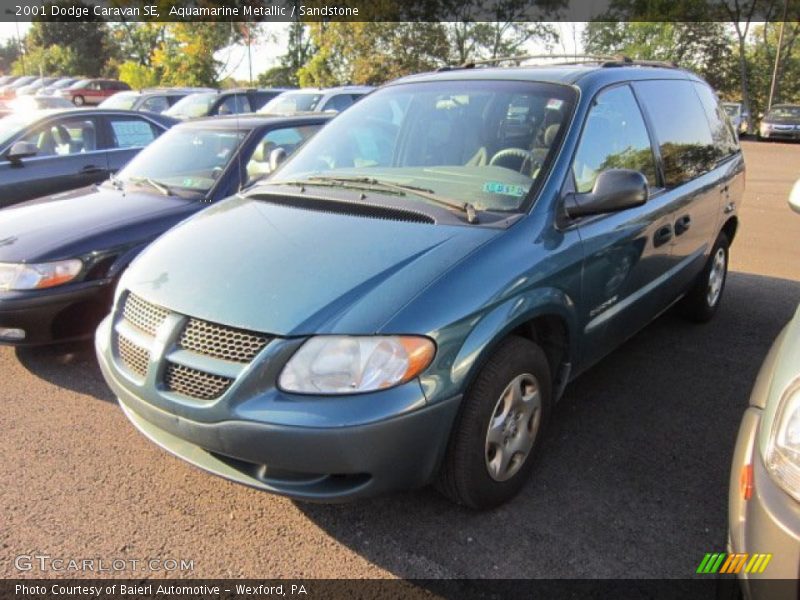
[(163, 188), (399, 188)]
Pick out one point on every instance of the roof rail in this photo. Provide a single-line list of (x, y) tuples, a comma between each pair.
[(618, 60)]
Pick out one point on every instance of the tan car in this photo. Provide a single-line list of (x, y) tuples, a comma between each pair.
[(764, 497)]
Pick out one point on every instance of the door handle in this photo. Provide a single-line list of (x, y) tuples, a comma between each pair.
[(89, 169), (683, 224), (662, 236)]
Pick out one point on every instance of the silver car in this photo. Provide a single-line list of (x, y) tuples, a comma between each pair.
[(764, 497)]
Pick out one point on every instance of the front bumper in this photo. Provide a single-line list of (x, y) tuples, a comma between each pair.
[(768, 523), (325, 449), (59, 314), (777, 134)]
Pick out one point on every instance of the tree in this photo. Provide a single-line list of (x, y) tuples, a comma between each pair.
[(139, 76), (703, 47), (480, 29), (186, 56), (9, 53), (85, 44), (300, 48), (372, 52)]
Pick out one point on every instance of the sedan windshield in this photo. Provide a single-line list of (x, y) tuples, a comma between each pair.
[(784, 112), (732, 109), (291, 102), (122, 101), (192, 106), (11, 125), (470, 144), (183, 158)]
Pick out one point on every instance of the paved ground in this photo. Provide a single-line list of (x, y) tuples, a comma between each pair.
[(633, 481)]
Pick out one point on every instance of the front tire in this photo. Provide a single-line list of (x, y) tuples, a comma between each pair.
[(703, 300), (78, 101), (498, 432)]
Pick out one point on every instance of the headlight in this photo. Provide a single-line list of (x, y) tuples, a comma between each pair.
[(345, 365), (37, 276), (783, 448)]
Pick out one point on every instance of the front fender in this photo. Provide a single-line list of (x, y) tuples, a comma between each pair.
[(458, 365)]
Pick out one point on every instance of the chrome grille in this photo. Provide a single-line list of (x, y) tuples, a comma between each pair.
[(132, 356), (218, 341), (140, 313), (195, 384)]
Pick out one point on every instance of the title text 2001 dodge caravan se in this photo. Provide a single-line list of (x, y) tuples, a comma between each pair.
[(406, 298)]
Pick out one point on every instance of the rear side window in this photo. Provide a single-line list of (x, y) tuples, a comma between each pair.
[(681, 127), (614, 137), (721, 131), (155, 104), (339, 102), (130, 132)]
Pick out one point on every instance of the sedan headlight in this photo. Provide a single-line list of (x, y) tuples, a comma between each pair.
[(15, 276), (346, 365), (783, 448)]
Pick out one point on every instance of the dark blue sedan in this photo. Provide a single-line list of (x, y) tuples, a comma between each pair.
[(61, 256), (50, 151)]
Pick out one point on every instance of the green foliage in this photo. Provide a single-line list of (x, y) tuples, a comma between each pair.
[(186, 55), (372, 53), (80, 47), (55, 60), (9, 53), (139, 76), (703, 47), (278, 77)]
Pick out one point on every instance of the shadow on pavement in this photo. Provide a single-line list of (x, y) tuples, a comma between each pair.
[(633, 479), (71, 366)]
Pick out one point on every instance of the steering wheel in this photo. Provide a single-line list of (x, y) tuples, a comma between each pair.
[(525, 155)]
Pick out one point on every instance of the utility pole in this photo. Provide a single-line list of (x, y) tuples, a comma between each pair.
[(774, 83)]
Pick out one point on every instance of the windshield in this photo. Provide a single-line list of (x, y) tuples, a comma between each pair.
[(732, 109), (78, 85), (291, 102), (122, 101), (193, 105), (11, 125), (63, 83), (185, 158), (483, 143), (784, 112)]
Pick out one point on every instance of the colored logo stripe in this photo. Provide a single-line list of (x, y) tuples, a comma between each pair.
[(720, 562)]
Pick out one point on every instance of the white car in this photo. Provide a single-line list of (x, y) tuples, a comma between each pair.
[(315, 100)]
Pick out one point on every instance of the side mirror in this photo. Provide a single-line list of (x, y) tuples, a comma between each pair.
[(276, 157), (614, 190), (22, 150), (794, 197)]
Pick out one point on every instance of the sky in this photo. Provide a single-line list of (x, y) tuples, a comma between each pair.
[(265, 55)]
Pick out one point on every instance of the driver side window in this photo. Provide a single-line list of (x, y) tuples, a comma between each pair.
[(614, 137)]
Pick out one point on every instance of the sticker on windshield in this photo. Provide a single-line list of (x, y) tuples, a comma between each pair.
[(555, 104), (497, 187)]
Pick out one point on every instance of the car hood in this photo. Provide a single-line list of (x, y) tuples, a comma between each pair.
[(87, 220), (290, 271)]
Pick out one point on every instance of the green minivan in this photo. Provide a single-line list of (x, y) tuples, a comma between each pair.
[(406, 298)]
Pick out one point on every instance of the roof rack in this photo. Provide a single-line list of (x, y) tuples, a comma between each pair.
[(604, 61)]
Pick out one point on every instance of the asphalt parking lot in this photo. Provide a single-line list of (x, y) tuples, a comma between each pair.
[(632, 483)]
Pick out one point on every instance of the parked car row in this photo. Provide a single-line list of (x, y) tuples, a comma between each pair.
[(331, 308), (78, 91)]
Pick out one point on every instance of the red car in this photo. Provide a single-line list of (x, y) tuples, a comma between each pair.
[(92, 91)]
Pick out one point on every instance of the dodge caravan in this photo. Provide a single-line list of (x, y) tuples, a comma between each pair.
[(404, 301)]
